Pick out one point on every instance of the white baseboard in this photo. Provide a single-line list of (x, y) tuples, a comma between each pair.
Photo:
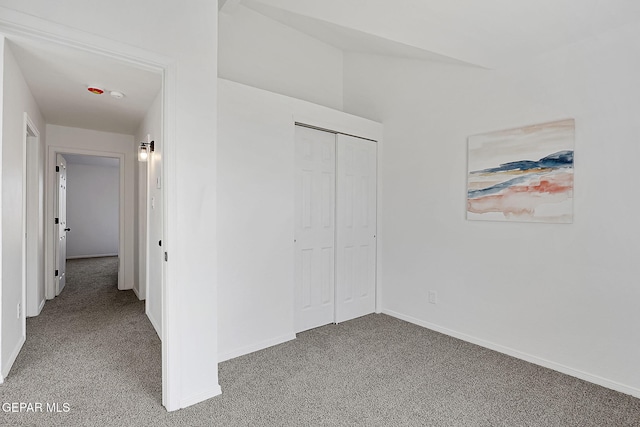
[(135, 291), (154, 322), (255, 347), (12, 358), (38, 309), (201, 397), (91, 256), (595, 379)]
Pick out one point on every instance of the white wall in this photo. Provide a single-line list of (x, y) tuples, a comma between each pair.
[(64, 139), (17, 100), (93, 210), (260, 52), (564, 296), (151, 215), (255, 211)]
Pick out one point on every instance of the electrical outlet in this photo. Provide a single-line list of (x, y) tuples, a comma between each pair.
[(433, 297)]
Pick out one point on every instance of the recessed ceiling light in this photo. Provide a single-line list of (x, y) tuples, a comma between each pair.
[(116, 94), (95, 90)]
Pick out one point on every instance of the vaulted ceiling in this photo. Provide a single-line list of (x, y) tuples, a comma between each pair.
[(487, 33)]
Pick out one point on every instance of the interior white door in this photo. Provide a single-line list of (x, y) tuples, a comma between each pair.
[(355, 228), (61, 218), (314, 228)]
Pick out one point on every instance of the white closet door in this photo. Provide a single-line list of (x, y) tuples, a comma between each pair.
[(356, 228), (314, 228)]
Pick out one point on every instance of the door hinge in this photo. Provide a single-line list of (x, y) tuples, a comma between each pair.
[(166, 257), (57, 168), (56, 221), (56, 275)]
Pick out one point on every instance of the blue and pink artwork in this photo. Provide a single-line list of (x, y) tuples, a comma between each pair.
[(523, 174)]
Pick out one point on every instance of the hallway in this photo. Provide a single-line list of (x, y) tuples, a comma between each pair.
[(91, 347)]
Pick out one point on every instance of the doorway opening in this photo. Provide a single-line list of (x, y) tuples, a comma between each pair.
[(89, 207), (53, 79)]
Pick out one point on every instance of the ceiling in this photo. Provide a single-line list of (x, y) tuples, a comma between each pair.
[(58, 77), (487, 33), (344, 38)]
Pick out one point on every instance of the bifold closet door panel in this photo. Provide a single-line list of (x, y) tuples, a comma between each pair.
[(355, 227), (314, 273)]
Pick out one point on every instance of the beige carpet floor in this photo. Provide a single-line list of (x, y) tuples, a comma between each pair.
[(94, 349)]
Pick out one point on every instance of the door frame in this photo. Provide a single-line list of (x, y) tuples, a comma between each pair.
[(30, 164), (51, 198), (14, 23)]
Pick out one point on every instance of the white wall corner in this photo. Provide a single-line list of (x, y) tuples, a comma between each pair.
[(228, 6), (6, 366), (154, 322), (255, 347), (201, 397)]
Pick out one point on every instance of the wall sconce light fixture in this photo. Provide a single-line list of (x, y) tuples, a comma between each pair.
[(144, 150)]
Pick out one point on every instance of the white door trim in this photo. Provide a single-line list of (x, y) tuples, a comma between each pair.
[(16, 23), (27, 239), (171, 380)]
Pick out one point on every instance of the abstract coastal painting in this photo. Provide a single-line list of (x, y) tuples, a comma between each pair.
[(523, 174)]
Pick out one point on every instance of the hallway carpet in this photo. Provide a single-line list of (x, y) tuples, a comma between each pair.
[(94, 349)]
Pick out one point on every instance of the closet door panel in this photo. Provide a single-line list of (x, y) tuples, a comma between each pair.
[(355, 227), (314, 273)]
